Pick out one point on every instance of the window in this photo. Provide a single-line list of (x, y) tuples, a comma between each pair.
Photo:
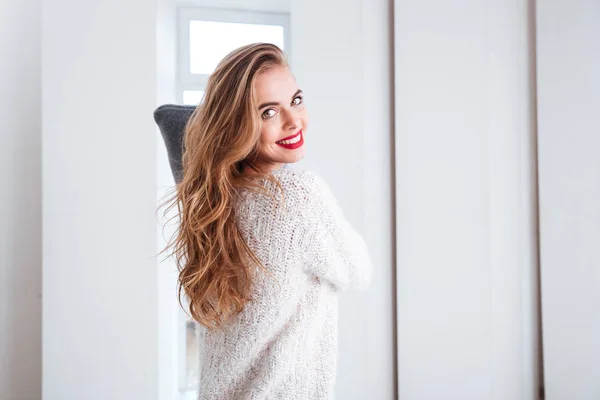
[(205, 37), (192, 97), (208, 35)]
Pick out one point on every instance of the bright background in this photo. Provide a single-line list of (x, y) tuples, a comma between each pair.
[(449, 116)]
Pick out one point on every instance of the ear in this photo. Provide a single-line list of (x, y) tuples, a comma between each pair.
[(171, 120)]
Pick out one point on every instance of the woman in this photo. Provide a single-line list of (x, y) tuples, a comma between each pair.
[(262, 250)]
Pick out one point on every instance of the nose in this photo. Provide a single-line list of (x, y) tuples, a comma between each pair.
[(291, 120)]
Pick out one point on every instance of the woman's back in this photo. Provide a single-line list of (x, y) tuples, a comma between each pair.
[(283, 345)]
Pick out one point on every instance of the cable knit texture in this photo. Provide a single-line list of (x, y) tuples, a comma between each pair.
[(283, 345)]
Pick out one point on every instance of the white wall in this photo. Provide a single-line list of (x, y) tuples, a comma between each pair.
[(377, 376), (170, 344), (465, 196), (248, 5), (343, 64), (20, 201), (100, 311), (569, 147)]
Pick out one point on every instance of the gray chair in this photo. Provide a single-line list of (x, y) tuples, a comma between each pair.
[(171, 120)]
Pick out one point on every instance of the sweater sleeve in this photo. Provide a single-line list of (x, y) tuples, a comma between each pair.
[(331, 249)]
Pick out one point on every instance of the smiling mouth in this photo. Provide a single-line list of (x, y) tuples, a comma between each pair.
[(292, 142)]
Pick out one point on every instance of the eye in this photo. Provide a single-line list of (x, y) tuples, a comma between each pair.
[(269, 113), (297, 100)]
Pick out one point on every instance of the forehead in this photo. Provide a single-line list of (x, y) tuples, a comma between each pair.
[(275, 84)]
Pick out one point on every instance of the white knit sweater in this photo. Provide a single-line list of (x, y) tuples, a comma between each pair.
[(283, 345)]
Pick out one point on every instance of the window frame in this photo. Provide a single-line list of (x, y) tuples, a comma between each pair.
[(197, 82)]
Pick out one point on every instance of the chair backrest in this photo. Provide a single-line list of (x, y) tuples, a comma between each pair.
[(171, 120)]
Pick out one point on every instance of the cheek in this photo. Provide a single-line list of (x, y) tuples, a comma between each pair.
[(269, 134), (305, 119)]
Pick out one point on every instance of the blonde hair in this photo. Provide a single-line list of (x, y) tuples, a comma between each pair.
[(221, 138)]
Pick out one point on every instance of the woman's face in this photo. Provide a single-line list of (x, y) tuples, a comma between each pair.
[(283, 117)]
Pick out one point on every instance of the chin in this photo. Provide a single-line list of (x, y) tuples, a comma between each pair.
[(294, 159), (290, 158)]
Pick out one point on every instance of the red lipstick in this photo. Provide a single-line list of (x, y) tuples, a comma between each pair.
[(298, 137)]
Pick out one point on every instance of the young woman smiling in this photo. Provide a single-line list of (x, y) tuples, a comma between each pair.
[(263, 250)]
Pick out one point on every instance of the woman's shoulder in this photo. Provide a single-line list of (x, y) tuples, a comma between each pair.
[(301, 187), (304, 187), (300, 179)]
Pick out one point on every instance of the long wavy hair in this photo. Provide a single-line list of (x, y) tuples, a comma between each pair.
[(221, 139)]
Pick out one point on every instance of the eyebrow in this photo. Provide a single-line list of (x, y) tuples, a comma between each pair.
[(274, 103)]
